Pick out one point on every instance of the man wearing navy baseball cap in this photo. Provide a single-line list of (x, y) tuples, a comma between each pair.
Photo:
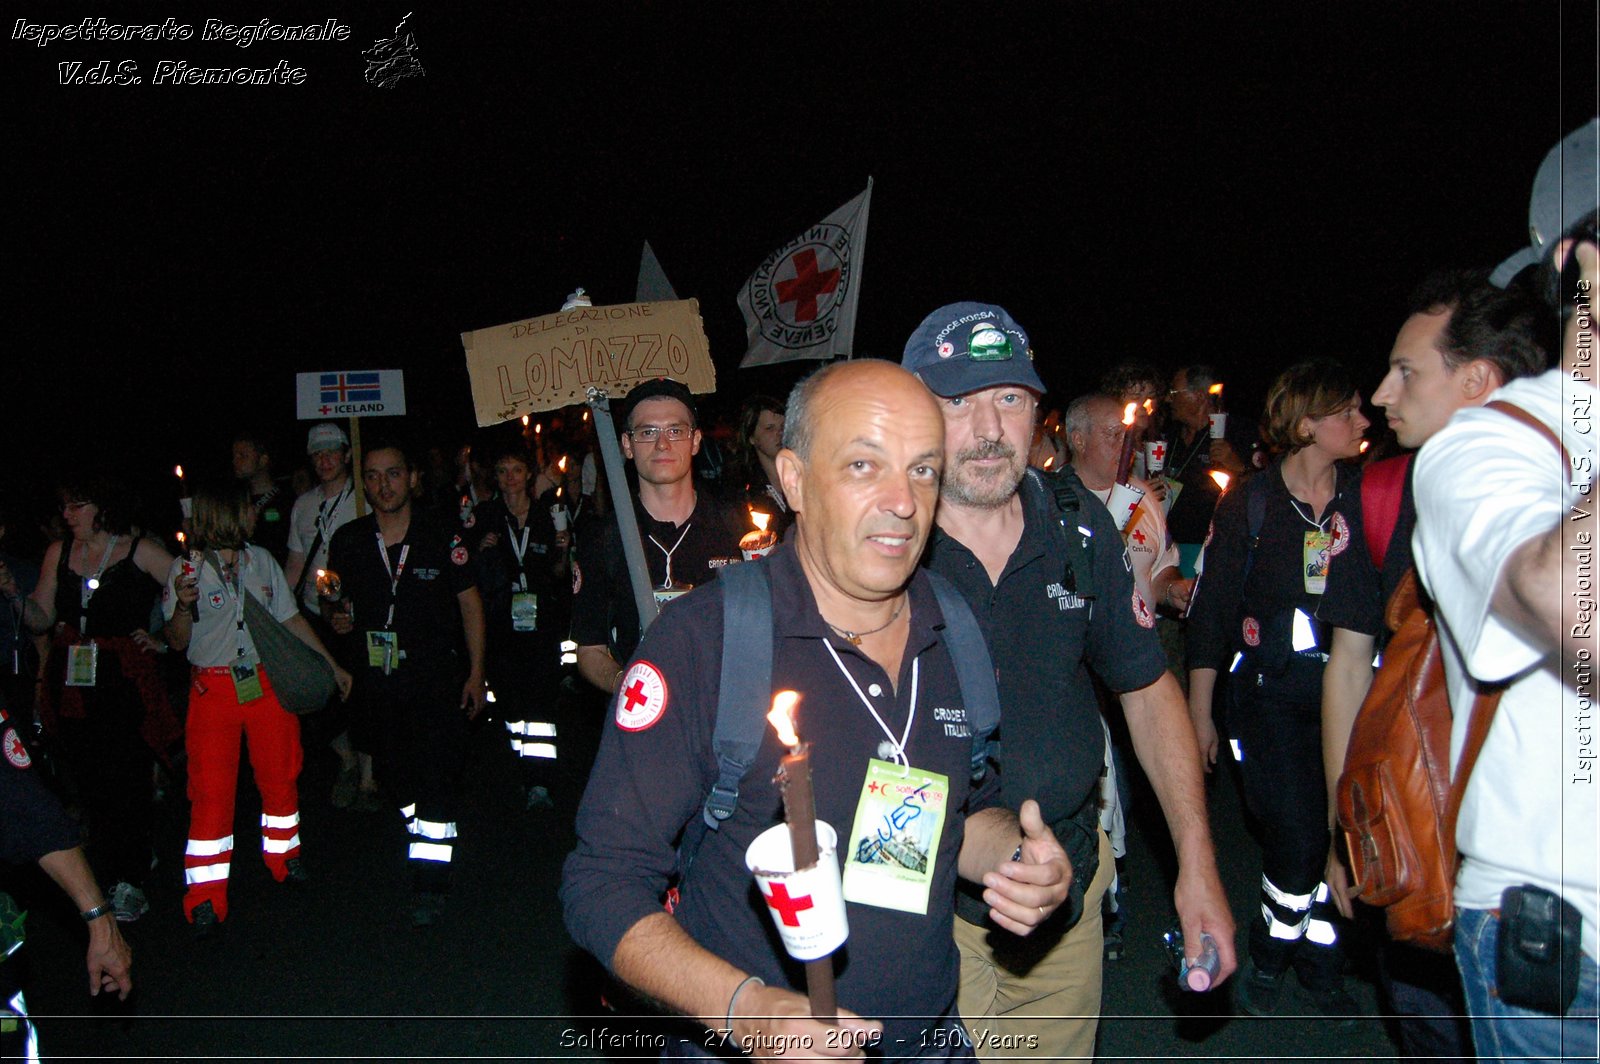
[(1001, 538)]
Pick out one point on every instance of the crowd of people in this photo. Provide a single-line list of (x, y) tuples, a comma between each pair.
[(1212, 585)]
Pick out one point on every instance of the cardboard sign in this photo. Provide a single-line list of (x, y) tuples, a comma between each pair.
[(546, 363), (350, 393)]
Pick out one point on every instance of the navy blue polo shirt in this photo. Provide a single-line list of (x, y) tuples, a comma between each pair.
[(1044, 641), (657, 764)]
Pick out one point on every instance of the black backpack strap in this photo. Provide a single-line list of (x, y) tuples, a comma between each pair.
[(1256, 516), (746, 683), (305, 570), (974, 669), (1070, 494)]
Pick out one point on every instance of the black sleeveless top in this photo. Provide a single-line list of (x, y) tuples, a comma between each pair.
[(122, 603)]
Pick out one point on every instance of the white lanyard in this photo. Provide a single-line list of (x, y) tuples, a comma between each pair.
[(1318, 525), (667, 580), (325, 513), (91, 584), (519, 547), (395, 573), (900, 745), (234, 593)]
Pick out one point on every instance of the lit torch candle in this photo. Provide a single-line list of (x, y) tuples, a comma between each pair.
[(1364, 445), (1218, 418), (1222, 479), (329, 585), (758, 544), (183, 488), (1125, 460), (800, 813)]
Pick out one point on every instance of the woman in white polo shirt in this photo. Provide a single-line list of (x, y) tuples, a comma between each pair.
[(232, 694)]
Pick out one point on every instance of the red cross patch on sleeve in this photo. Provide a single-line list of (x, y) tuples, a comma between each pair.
[(642, 698), (1252, 632), (459, 556), (16, 753), (1141, 611)]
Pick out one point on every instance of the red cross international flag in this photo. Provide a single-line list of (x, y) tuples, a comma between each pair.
[(801, 301)]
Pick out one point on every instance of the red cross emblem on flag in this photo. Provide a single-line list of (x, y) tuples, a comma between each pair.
[(787, 908), (807, 284), (642, 698)]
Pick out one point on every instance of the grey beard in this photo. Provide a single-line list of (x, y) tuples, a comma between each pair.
[(978, 493)]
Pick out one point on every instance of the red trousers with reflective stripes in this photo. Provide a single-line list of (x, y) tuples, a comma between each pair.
[(216, 721)]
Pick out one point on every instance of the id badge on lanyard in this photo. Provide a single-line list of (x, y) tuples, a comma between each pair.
[(383, 647), (1316, 553), (83, 659), (83, 663), (894, 843), (524, 603), (246, 676)]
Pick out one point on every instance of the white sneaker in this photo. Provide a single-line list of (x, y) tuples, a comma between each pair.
[(129, 902)]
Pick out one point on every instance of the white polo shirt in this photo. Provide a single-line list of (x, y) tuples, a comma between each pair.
[(215, 640)]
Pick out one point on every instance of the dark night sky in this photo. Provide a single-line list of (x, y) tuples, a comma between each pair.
[(1131, 179)]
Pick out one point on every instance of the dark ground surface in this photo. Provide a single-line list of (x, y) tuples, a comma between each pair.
[(334, 970)]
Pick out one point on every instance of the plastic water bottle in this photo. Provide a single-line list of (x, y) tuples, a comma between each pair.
[(1198, 973)]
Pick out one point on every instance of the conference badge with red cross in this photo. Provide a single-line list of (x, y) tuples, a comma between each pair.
[(642, 698)]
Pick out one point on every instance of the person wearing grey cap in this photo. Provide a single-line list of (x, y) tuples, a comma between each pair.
[(1505, 547), (1052, 607), (316, 516)]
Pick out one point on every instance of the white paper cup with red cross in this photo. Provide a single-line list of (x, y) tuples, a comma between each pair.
[(1218, 423), (1155, 457), (1123, 502), (806, 906)]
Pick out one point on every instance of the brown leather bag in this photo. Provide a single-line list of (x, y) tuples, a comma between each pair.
[(1397, 807)]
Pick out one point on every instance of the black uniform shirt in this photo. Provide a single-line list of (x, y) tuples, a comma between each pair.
[(32, 822), (501, 573), (1357, 592), (648, 783), (427, 616), (1255, 614), (1042, 638), (603, 611)]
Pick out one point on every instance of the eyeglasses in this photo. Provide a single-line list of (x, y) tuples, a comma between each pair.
[(650, 433), (73, 507)]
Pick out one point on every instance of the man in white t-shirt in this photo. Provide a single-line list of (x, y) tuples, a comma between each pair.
[(1505, 545), (319, 512), (316, 516)]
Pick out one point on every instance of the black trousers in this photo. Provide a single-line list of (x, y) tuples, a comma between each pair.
[(1276, 718), (421, 750)]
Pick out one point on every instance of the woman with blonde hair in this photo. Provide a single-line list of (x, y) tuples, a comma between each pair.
[(231, 694)]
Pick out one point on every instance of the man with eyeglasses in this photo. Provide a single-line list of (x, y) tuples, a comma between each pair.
[(688, 534), (1003, 539)]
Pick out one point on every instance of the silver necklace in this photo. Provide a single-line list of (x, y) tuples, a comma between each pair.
[(856, 637)]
